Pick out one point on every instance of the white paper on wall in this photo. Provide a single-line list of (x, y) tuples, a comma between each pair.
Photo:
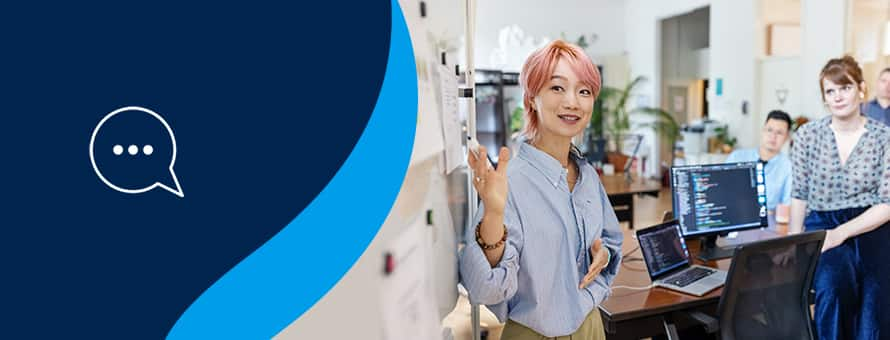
[(451, 126), (407, 302)]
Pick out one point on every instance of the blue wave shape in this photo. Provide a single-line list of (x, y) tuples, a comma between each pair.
[(286, 276)]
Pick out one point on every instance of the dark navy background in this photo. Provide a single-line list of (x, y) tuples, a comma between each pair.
[(266, 101)]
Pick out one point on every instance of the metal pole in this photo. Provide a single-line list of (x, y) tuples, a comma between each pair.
[(470, 77)]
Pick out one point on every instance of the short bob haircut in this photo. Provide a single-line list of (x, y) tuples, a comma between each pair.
[(842, 71), (539, 67)]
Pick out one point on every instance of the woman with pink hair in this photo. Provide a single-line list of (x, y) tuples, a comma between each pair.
[(546, 243)]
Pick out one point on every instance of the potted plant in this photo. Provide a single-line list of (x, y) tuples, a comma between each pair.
[(612, 118), (516, 121), (596, 140), (724, 140), (798, 122)]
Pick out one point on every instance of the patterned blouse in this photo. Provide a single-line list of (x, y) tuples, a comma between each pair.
[(821, 180)]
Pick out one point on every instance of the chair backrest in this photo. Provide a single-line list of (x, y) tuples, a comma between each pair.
[(767, 290), (667, 216)]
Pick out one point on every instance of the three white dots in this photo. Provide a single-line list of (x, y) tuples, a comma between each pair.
[(133, 150)]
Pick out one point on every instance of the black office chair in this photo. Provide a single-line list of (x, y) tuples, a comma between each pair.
[(767, 291), (667, 216)]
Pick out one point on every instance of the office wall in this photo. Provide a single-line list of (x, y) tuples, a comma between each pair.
[(642, 36), (538, 20), (683, 39), (732, 56), (775, 12), (779, 73), (733, 27), (824, 25), (867, 30), (868, 44)]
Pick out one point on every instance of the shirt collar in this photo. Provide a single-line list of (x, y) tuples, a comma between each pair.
[(825, 124), (777, 160), (549, 166)]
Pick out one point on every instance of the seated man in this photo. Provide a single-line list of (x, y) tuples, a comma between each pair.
[(879, 108), (776, 165)]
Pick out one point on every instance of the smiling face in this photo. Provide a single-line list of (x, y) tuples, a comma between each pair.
[(564, 104), (551, 75), (843, 100)]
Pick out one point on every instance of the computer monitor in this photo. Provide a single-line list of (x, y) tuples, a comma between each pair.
[(714, 199)]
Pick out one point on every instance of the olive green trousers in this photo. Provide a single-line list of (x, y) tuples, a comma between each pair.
[(591, 329)]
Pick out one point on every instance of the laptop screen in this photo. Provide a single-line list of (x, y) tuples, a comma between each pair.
[(663, 248)]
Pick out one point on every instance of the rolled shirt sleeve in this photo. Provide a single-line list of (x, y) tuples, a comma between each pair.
[(786, 189), (486, 284), (612, 239)]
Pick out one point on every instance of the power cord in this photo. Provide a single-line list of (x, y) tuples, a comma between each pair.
[(633, 288), (627, 258), (631, 251)]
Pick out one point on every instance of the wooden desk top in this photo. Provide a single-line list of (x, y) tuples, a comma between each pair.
[(627, 304), (617, 185)]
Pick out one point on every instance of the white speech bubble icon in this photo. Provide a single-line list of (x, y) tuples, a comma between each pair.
[(176, 191)]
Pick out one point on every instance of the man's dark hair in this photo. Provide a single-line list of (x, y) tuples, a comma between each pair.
[(780, 115)]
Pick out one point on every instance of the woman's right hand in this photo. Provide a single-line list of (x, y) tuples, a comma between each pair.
[(491, 184)]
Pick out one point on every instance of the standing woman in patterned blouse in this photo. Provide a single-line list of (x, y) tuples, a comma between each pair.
[(841, 184), (543, 254)]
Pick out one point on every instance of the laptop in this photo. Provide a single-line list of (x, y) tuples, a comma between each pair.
[(669, 265)]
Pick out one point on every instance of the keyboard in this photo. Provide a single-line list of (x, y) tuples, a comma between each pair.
[(686, 277)]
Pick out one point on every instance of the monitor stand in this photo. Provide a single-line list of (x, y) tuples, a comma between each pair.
[(709, 251)]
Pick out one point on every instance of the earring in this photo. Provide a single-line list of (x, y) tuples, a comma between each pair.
[(861, 95)]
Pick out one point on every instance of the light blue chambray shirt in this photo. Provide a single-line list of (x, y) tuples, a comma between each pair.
[(549, 232), (776, 173), (874, 111)]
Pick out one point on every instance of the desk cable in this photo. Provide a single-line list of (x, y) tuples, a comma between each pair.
[(633, 288), (625, 258)]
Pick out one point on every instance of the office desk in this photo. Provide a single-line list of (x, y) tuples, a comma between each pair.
[(621, 193), (633, 314)]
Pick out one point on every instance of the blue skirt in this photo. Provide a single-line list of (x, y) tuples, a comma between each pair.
[(852, 281)]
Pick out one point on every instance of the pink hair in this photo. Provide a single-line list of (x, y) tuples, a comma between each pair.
[(539, 68)]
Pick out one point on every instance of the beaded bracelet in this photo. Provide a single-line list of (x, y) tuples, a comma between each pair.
[(484, 246)]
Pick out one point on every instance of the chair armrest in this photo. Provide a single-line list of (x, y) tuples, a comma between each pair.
[(711, 323)]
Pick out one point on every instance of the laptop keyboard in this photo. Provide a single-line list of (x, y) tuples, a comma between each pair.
[(688, 276)]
